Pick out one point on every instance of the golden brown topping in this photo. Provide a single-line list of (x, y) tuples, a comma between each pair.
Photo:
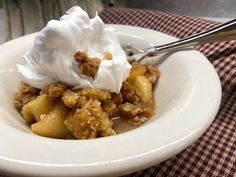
[(129, 111), (109, 107), (136, 112), (88, 113), (82, 100), (88, 66), (54, 90), (80, 56), (18, 101), (152, 74), (95, 94), (21, 99), (117, 98), (148, 109), (26, 94), (70, 98), (108, 56), (129, 92), (89, 122)]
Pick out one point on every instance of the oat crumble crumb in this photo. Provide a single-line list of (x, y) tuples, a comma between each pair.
[(88, 66)]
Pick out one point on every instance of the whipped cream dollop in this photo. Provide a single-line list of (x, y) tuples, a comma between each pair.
[(51, 59)]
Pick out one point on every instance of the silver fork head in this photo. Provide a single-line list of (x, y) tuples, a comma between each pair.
[(134, 54), (131, 50)]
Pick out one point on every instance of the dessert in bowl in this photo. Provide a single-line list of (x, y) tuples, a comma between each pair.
[(64, 92), (188, 83)]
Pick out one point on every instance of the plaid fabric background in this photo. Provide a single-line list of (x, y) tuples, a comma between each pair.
[(214, 153)]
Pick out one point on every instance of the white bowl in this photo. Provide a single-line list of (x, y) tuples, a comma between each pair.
[(188, 96)]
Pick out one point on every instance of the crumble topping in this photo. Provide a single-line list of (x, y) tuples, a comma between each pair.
[(108, 56), (89, 112), (54, 90), (88, 66), (89, 121), (26, 94)]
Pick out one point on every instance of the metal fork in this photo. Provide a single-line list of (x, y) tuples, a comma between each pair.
[(225, 31)]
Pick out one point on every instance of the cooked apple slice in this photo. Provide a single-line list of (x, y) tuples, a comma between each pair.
[(137, 70), (32, 110), (52, 124), (144, 87)]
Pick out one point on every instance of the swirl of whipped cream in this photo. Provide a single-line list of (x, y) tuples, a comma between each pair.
[(51, 59)]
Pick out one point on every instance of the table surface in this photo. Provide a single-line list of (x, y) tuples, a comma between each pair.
[(214, 153)]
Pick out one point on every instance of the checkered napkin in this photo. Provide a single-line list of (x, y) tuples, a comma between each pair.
[(214, 153)]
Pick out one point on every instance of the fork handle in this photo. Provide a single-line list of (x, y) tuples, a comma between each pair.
[(225, 31)]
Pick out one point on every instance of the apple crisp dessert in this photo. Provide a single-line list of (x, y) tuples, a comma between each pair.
[(60, 111)]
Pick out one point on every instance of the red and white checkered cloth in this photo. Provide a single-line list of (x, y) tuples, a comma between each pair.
[(214, 153)]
